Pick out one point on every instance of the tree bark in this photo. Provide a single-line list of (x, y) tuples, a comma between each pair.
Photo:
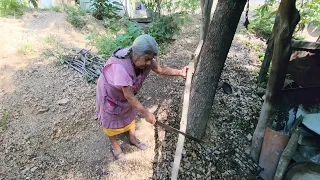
[(212, 58), (206, 6), (289, 17)]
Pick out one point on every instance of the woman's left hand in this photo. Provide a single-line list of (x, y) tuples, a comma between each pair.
[(184, 71)]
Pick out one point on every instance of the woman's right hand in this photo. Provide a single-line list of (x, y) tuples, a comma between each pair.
[(150, 118)]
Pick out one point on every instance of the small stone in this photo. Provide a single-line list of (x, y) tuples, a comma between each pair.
[(43, 110), (25, 170), (63, 101), (198, 176), (216, 152), (34, 168), (187, 165), (249, 136), (184, 153), (175, 37)]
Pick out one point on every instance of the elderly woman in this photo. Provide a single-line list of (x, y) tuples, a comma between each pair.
[(119, 82)]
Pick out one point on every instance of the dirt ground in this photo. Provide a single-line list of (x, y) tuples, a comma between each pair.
[(52, 131)]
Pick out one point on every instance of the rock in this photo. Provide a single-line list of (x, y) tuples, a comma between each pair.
[(25, 170), (216, 152), (175, 37), (260, 91), (187, 165), (43, 110), (249, 136), (63, 101), (33, 169)]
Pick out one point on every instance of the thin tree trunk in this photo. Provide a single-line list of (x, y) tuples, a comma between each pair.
[(289, 17), (197, 53), (212, 58), (206, 6), (268, 53)]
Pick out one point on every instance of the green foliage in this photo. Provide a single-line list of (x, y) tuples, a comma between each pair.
[(150, 4), (264, 16), (261, 56), (56, 8), (75, 16), (188, 6), (309, 12), (122, 32), (50, 39), (103, 9), (163, 27), (115, 37), (12, 7), (26, 49)]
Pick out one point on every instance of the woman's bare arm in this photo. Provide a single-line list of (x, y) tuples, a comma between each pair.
[(135, 103), (167, 71)]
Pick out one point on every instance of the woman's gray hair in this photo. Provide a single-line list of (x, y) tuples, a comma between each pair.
[(145, 44)]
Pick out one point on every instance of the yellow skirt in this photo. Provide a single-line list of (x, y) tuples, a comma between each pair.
[(113, 132)]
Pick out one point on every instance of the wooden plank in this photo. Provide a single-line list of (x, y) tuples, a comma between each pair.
[(305, 45), (197, 53), (183, 123)]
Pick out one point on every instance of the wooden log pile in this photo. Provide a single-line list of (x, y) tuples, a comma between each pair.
[(85, 62)]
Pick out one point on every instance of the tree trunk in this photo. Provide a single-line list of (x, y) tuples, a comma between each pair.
[(268, 53), (206, 6), (212, 58), (289, 17)]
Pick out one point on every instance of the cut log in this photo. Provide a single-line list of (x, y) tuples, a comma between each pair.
[(288, 19), (287, 155)]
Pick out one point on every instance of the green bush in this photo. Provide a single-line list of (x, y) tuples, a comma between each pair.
[(102, 9), (75, 16), (12, 7), (163, 27), (110, 41), (263, 21), (265, 15)]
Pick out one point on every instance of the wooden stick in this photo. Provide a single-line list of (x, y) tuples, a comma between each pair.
[(183, 124), (197, 53), (305, 45), (287, 155)]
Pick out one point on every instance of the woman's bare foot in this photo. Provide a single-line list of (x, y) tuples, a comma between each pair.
[(115, 148), (136, 142)]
